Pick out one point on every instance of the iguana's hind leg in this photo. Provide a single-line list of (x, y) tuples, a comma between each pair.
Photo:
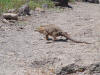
[(47, 37), (54, 36)]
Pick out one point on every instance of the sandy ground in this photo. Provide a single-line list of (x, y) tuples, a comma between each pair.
[(25, 52)]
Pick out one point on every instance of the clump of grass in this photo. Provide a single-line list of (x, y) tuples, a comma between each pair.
[(39, 3), (10, 4), (72, 1)]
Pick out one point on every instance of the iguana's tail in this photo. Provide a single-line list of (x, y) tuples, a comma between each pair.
[(65, 34)]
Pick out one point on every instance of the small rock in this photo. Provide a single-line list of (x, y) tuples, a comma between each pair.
[(39, 9), (13, 21), (11, 11), (45, 6), (5, 21)]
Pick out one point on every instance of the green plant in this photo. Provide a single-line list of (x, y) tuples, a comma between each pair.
[(39, 3), (10, 4), (71, 0)]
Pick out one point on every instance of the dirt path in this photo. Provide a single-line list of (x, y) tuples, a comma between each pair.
[(22, 50)]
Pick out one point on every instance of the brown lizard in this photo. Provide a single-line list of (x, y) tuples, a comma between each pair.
[(55, 31)]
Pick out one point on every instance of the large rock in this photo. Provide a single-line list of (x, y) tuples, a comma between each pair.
[(72, 68), (24, 10), (94, 68), (92, 1), (10, 16), (63, 3)]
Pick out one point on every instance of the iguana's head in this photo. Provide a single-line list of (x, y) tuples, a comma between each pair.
[(40, 29)]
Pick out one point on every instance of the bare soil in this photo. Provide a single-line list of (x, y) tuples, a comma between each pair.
[(25, 52)]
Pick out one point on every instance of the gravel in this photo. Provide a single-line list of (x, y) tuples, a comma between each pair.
[(25, 52)]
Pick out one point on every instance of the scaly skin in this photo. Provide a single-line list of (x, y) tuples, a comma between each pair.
[(55, 31)]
